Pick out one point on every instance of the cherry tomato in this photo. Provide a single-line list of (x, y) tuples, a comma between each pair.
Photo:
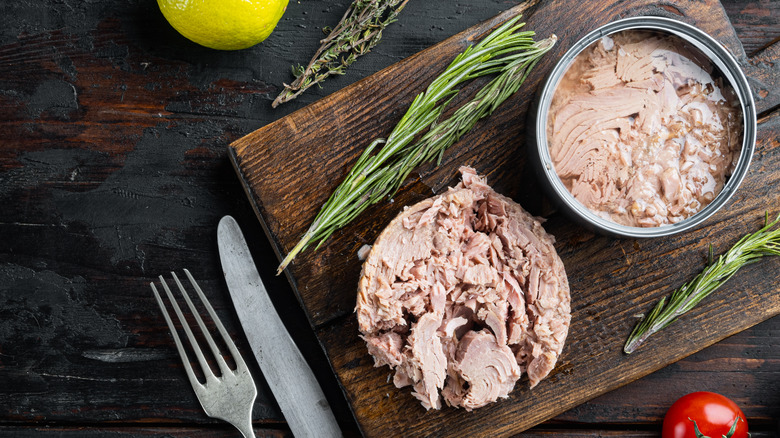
[(713, 414)]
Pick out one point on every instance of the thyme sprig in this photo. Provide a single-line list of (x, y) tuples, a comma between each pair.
[(419, 137), (748, 249), (359, 30)]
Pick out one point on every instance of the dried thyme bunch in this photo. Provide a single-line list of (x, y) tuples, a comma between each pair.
[(420, 136), (748, 249), (359, 30)]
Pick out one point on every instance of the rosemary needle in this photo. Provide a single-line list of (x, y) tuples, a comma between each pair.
[(419, 136), (748, 249)]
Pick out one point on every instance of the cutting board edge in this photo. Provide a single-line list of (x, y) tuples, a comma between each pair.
[(257, 208)]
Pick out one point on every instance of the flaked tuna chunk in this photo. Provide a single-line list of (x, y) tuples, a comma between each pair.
[(385, 348), (489, 368), (425, 362), (461, 294)]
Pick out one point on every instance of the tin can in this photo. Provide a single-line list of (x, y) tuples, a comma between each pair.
[(539, 153)]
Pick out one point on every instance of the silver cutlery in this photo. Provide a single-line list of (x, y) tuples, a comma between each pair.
[(229, 396), (292, 381)]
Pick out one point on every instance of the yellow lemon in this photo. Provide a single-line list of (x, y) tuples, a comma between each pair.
[(224, 24)]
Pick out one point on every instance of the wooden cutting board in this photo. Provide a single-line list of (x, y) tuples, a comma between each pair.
[(290, 167)]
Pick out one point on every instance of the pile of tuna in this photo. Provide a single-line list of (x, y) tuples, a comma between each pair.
[(463, 293), (642, 130)]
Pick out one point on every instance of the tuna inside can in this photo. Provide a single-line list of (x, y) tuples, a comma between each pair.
[(643, 129)]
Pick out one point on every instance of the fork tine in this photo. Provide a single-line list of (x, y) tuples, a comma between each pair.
[(176, 339), (230, 396), (225, 337), (190, 336), (223, 367)]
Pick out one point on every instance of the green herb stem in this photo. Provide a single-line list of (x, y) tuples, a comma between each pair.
[(748, 249), (359, 30), (419, 137)]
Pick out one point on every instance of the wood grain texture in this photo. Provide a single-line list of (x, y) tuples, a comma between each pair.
[(755, 22), (144, 432), (612, 279), (735, 367), (139, 431), (114, 169), (283, 172)]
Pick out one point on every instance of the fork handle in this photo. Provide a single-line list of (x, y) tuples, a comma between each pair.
[(246, 429)]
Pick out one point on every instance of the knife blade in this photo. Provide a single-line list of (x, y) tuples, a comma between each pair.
[(290, 378)]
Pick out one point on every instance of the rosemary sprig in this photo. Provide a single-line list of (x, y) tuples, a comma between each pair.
[(748, 249), (378, 174), (359, 30)]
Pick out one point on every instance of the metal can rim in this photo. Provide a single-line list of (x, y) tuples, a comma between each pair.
[(716, 53)]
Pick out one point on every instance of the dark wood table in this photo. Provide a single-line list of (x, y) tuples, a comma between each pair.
[(113, 170)]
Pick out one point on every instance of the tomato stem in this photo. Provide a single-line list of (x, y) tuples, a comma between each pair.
[(730, 433), (733, 427), (696, 429)]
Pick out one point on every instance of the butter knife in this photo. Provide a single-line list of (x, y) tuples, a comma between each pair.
[(290, 378)]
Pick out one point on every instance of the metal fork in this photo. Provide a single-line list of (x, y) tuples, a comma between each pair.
[(230, 396)]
